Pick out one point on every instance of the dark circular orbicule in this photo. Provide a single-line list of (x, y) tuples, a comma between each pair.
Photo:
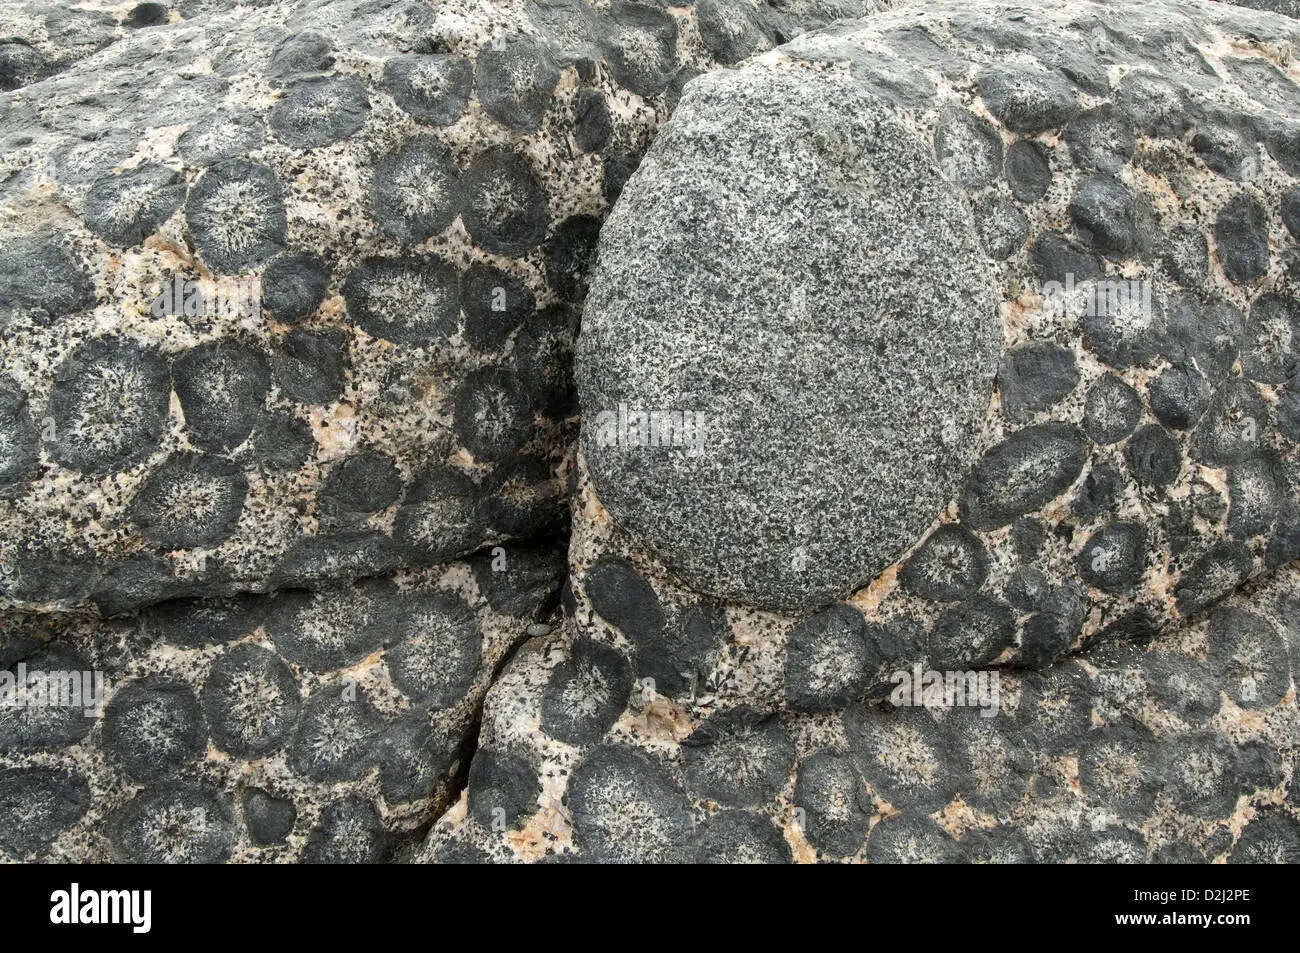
[(901, 752), (440, 648), (516, 82), (495, 304), (1002, 226), (1186, 255), (1027, 99), (493, 415), (1248, 657), (1119, 770), (236, 217), (1178, 396), (1271, 838), (222, 134), (251, 701), (1241, 237), (336, 733), (222, 386), (1111, 410), (410, 301), (311, 364), (181, 823), (1034, 377), (739, 758), (570, 254), (43, 278), (108, 405), (586, 693), (1113, 559), (299, 53), (1154, 457), (1100, 140), (18, 438), (331, 628), (740, 837), (38, 805), (623, 598), (1028, 171), (1023, 473), (125, 209), (1102, 211), (951, 564), (190, 500), (293, 286), (971, 634), (592, 122), (641, 47), (350, 832), (362, 482), (828, 661), (1205, 332), (836, 805), (154, 728), (1270, 347), (415, 755), (269, 819), (503, 789), (1220, 569), (434, 88), (41, 727), (627, 809), (415, 191), (909, 839), (505, 206), (967, 147), (731, 31), (318, 110)]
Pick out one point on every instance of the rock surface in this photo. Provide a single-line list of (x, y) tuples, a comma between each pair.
[(397, 201), (315, 549), (1136, 467), (325, 727), (1127, 207), (1177, 750), (311, 529), (767, 275)]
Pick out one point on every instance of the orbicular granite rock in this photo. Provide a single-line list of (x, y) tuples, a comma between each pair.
[(289, 290), (788, 404), (326, 726), (286, 315), (1130, 173), (1177, 750)]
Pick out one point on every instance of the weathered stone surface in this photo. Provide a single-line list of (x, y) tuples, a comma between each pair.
[(400, 180), (283, 719), (1144, 344), (420, 191), (830, 367), (1089, 556), (1140, 751)]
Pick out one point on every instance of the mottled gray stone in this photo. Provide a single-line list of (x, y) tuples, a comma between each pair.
[(831, 367)]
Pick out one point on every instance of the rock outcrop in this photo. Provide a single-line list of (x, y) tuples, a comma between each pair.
[(738, 676)]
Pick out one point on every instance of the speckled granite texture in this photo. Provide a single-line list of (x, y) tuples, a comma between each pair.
[(709, 697), (965, 336)]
